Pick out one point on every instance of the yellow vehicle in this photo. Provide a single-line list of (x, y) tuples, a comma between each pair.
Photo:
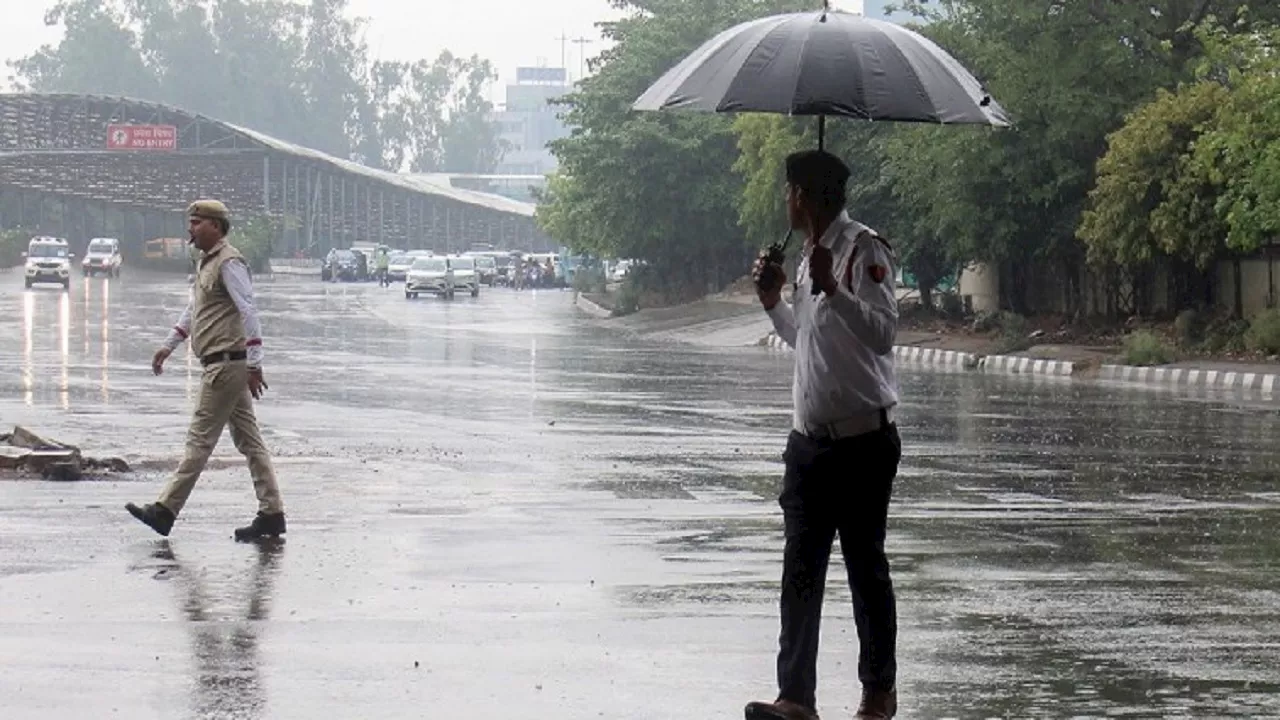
[(166, 249), (168, 254)]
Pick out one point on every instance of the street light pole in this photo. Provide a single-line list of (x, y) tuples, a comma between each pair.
[(582, 42)]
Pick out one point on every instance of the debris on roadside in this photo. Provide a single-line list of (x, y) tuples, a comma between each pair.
[(24, 454)]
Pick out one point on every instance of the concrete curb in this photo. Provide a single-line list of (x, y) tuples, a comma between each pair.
[(936, 358), (1016, 365), (1266, 383), (932, 357), (590, 307)]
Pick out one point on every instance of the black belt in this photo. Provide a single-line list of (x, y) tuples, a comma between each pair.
[(231, 356)]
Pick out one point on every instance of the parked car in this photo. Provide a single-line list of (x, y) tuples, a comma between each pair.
[(344, 265), (429, 276), (398, 266), (465, 276), (48, 261), (487, 269), (103, 256)]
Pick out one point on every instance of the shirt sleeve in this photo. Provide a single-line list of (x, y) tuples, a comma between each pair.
[(784, 322), (235, 277), (180, 331), (865, 300)]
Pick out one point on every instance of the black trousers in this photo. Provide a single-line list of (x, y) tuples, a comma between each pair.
[(830, 487)]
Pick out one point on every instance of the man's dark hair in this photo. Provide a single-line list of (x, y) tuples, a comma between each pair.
[(224, 224), (822, 177)]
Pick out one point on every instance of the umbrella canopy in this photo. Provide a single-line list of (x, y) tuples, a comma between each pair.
[(826, 63)]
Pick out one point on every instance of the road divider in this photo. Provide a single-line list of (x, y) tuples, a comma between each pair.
[(1266, 385)]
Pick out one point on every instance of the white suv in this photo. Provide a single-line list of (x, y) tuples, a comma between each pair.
[(103, 256), (48, 261)]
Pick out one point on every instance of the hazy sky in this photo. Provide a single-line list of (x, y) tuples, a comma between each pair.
[(510, 33)]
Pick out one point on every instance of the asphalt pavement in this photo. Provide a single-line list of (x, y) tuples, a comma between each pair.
[(498, 509)]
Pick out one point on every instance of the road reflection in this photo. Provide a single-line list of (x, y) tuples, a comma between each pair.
[(28, 348), (64, 347), (39, 322), (224, 645), (106, 340)]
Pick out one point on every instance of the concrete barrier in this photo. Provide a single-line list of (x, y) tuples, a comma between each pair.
[(1017, 365), (591, 307), (1265, 383)]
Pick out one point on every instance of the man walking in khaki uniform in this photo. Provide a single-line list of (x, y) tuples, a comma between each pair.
[(222, 324)]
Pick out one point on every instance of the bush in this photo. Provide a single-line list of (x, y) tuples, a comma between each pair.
[(951, 305), (627, 299), (1190, 326), (255, 239), (1146, 348), (1263, 334), (1225, 335), (589, 280), (12, 244), (986, 321)]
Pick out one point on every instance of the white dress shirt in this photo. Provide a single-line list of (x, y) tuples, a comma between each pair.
[(235, 276), (843, 342)]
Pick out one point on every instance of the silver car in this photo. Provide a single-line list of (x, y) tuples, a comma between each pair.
[(398, 265), (465, 275), (429, 276)]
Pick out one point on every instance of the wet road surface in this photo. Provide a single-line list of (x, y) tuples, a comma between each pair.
[(498, 510)]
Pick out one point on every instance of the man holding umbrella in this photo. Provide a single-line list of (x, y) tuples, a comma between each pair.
[(843, 454), (843, 451)]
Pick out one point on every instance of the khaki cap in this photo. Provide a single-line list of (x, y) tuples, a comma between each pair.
[(209, 209)]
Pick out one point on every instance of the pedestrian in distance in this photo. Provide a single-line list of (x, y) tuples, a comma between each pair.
[(843, 450), (222, 323)]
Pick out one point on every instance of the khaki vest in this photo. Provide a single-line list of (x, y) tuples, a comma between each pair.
[(216, 325)]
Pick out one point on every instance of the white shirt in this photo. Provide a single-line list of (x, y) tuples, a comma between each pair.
[(235, 276), (843, 342)]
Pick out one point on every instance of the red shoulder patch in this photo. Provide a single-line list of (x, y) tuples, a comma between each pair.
[(877, 272)]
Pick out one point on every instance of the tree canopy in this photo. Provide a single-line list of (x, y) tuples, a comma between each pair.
[(298, 71), (1142, 130)]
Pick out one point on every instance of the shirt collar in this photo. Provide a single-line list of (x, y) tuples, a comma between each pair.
[(217, 248), (836, 229)]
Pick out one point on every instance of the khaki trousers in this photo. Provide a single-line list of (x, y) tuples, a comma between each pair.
[(224, 398)]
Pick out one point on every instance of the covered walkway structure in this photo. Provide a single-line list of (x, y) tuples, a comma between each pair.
[(78, 166)]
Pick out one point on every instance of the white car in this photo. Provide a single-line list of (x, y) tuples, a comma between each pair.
[(429, 276), (48, 261), (465, 275), (398, 265), (103, 256)]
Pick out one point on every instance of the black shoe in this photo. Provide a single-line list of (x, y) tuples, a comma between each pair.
[(264, 525), (154, 515)]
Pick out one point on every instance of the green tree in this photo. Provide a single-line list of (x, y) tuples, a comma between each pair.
[(98, 54), (299, 72), (658, 187), (1150, 200)]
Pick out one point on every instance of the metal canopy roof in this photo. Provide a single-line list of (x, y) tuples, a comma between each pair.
[(60, 123)]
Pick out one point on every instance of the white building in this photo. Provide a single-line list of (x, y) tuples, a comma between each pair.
[(528, 123)]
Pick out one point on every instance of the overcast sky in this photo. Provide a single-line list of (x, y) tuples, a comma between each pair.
[(511, 33)]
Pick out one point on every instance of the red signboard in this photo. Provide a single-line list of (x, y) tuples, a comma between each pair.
[(142, 137)]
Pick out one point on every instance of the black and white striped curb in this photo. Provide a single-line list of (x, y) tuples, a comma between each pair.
[(906, 354), (1266, 383), (935, 357), (1015, 365)]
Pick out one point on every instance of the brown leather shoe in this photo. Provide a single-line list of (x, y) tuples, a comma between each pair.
[(780, 710), (877, 704)]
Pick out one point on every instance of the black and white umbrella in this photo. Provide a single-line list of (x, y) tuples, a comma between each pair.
[(826, 63)]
